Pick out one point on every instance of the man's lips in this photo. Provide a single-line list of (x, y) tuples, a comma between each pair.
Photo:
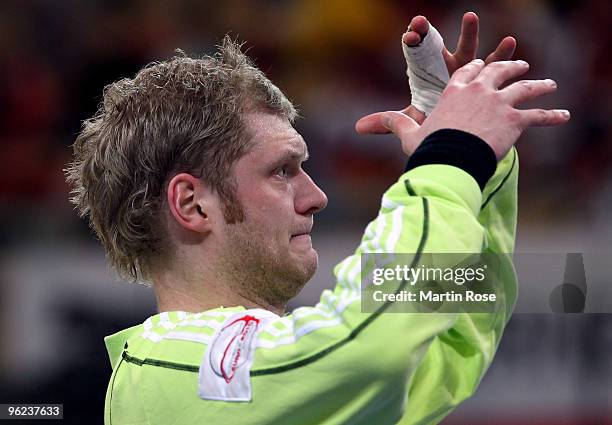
[(301, 237), (302, 232), (305, 230)]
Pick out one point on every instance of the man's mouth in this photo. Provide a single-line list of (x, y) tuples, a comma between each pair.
[(302, 233), (304, 229)]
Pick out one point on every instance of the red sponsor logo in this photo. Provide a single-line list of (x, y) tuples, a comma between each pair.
[(232, 346)]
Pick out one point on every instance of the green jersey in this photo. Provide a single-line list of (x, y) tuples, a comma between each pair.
[(332, 363)]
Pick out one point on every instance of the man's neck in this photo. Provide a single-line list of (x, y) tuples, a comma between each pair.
[(174, 294)]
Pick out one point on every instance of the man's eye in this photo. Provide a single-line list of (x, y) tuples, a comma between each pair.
[(282, 171)]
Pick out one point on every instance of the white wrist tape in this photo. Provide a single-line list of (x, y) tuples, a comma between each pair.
[(427, 73)]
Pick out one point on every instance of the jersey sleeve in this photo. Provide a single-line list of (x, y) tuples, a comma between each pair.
[(457, 359)]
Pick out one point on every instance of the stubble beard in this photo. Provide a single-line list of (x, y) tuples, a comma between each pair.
[(260, 270)]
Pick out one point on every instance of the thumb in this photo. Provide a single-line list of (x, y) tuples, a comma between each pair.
[(403, 127), (371, 124), (399, 124)]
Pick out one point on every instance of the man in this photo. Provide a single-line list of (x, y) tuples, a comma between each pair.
[(191, 176)]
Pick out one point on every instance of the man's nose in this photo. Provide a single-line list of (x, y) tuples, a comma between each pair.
[(310, 199)]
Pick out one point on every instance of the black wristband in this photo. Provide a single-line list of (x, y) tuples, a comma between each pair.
[(459, 149)]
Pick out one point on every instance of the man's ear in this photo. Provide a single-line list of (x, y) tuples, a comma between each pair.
[(190, 202)]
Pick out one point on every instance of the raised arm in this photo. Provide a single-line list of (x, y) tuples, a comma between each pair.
[(428, 59), (457, 359)]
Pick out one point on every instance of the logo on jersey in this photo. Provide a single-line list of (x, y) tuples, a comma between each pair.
[(225, 371), (232, 347)]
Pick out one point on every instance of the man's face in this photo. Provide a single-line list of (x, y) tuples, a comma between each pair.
[(271, 251)]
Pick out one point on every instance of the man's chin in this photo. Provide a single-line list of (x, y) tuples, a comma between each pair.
[(307, 263)]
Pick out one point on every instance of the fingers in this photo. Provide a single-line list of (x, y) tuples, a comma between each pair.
[(403, 127), (468, 72), (450, 61), (543, 117), (525, 90), (415, 114), (418, 29), (504, 51), (496, 73), (373, 123), (398, 123), (411, 38), (468, 40)]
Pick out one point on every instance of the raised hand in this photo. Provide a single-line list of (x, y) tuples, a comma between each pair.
[(472, 102), (467, 45), (464, 53)]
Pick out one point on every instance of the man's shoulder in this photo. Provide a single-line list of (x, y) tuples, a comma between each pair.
[(173, 339)]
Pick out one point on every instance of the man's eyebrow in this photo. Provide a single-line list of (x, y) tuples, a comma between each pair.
[(296, 154)]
